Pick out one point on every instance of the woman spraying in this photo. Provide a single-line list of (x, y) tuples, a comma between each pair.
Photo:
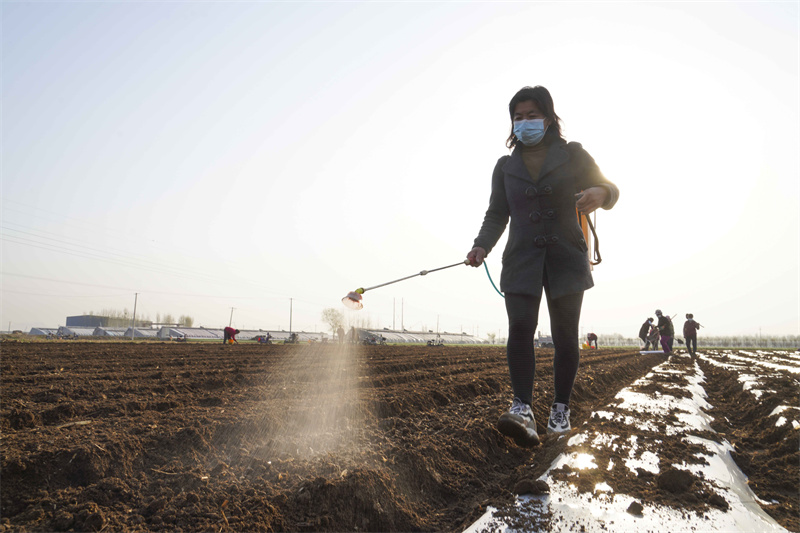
[(538, 188)]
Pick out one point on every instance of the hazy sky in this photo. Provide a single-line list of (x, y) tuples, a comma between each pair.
[(274, 156)]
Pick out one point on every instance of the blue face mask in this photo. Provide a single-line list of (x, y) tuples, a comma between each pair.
[(530, 132)]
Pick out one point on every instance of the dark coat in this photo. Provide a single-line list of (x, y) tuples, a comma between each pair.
[(690, 328), (545, 234), (665, 326)]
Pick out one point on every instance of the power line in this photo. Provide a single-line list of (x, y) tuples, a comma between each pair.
[(129, 289), (60, 240)]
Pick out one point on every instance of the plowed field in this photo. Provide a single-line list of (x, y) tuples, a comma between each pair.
[(206, 437)]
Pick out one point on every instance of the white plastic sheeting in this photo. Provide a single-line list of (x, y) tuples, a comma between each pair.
[(601, 512)]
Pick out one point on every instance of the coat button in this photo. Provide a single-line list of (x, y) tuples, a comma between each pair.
[(531, 191), (550, 213), (535, 216), (554, 239), (547, 190), (540, 241)]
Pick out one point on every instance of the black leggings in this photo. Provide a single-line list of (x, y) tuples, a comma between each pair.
[(523, 317), (691, 344)]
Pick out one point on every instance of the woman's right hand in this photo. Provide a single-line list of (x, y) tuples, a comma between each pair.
[(476, 256)]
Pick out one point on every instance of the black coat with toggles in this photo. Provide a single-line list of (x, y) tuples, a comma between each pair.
[(544, 233)]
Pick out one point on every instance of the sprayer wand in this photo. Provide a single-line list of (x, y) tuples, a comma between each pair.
[(353, 299)]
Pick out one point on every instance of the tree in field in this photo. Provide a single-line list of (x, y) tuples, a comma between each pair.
[(333, 317), (186, 321)]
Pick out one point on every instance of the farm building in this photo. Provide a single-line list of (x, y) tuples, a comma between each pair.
[(189, 333), (280, 336), (244, 335), (109, 332), (418, 337), (52, 332), (140, 333), (74, 331), (216, 334)]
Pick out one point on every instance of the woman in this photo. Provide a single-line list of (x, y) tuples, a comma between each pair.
[(538, 188)]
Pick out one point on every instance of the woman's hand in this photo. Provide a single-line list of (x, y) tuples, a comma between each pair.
[(476, 256), (591, 199)]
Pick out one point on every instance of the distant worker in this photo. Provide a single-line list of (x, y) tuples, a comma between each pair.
[(340, 334), (351, 335), (690, 328), (592, 339), (644, 332), (230, 334), (666, 330)]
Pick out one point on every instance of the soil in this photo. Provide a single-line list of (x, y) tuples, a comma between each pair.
[(160, 436)]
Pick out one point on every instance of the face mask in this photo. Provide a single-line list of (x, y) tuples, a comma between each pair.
[(530, 132)]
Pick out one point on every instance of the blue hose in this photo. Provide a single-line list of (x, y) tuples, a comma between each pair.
[(492, 281)]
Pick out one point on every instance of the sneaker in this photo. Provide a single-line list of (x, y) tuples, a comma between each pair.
[(559, 419), (518, 423)]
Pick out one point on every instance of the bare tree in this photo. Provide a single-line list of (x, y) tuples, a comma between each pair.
[(333, 317), (186, 321)]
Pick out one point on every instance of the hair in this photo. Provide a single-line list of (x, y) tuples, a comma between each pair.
[(541, 97)]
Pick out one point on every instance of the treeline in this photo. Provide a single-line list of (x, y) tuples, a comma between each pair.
[(124, 316), (739, 341)]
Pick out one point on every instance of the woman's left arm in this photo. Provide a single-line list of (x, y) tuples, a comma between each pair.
[(598, 191)]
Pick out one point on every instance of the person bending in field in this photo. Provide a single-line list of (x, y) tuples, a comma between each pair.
[(230, 334), (538, 188), (592, 338), (644, 333)]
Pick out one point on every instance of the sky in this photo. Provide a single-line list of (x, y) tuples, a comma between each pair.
[(253, 162)]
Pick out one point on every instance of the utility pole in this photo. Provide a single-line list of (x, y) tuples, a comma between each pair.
[(394, 312), (230, 322), (133, 326), (290, 315), (402, 314)]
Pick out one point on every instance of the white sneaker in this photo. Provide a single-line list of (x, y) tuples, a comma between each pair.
[(559, 419), (518, 423)]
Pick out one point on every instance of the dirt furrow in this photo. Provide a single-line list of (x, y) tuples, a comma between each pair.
[(191, 437)]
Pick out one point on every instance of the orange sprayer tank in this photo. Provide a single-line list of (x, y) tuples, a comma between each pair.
[(586, 236)]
